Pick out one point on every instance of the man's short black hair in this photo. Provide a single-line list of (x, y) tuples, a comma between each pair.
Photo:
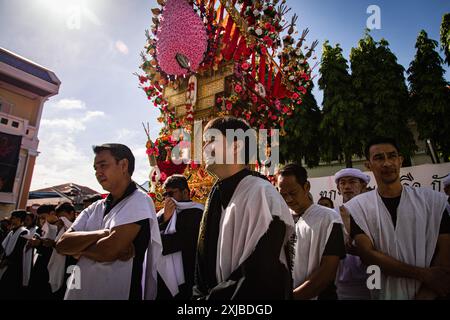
[(228, 122), (119, 152), (293, 169), (380, 140), (21, 214), (176, 181), (45, 208), (64, 207)]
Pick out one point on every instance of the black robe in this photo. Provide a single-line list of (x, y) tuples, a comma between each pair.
[(261, 275), (11, 282)]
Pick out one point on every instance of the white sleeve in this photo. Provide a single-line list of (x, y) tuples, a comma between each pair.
[(81, 221)]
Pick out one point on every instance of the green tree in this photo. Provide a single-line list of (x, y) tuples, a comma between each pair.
[(379, 84), (302, 140), (445, 36), (343, 121), (429, 94)]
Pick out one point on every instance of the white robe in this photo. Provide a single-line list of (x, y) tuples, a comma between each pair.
[(57, 263), (170, 267), (245, 220), (28, 259), (9, 243), (112, 280), (414, 239), (312, 231)]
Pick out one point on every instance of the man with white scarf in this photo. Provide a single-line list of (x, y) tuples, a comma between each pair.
[(319, 239), (351, 276), (404, 231), (30, 224), (116, 239), (246, 226), (58, 263), (11, 254), (42, 245), (179, 222)]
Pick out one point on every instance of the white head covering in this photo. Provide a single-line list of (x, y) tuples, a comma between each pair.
[(446, 180), (351, 172)]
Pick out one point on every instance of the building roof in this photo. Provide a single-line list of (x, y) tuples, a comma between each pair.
[(27, 75), (68, 188)]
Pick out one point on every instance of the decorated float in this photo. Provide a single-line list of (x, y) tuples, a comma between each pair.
[(206, 58)]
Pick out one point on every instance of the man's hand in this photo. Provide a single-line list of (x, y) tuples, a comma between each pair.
[(437, 279), (48, 243), (345, 218), (34, 243), (169, 209), (59, 224)]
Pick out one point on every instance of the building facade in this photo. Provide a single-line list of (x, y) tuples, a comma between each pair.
[(24, 88)]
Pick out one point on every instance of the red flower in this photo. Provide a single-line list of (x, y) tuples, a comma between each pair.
[(245, 66), (229, 106), (268, 41), (295, 96), (219, 100)]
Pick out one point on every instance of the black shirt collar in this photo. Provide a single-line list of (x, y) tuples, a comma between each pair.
[(110, 203), (227, 186)]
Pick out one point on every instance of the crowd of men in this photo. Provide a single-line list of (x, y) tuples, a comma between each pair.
[(252, 239)]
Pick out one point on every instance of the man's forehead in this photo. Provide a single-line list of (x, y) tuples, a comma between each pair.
[(382, 148), (345, 178)]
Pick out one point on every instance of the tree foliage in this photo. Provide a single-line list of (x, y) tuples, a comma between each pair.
[(445, 36), (302, 140), (379, 84), (429, 94), (344, 121)]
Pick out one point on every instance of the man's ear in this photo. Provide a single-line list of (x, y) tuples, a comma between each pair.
[(307, 186), (401, 160), (124, 165), (367, 165)]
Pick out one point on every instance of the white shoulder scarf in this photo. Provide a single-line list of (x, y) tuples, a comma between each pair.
[(413, 241), (28, 259), (312, 231), (112, 280), (245, 220), (9, 243), (57, 262), (170, 267)]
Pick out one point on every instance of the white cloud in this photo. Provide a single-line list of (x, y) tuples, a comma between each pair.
[(64, 156), (121, 47), (72, 124), (69, 104), (126, 135)]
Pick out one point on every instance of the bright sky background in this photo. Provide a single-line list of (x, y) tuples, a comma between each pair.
[(93, 47)]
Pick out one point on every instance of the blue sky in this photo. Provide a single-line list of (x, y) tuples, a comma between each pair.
[(93, 47)]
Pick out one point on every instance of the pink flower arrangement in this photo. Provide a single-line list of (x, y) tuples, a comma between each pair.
[(181, 31), (238, 88)]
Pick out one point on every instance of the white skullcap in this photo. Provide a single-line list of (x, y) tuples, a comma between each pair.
[(351, 172), (446, 180)]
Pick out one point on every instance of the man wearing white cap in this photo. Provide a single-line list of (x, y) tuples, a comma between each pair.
[(351, 276), (401, 230)]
